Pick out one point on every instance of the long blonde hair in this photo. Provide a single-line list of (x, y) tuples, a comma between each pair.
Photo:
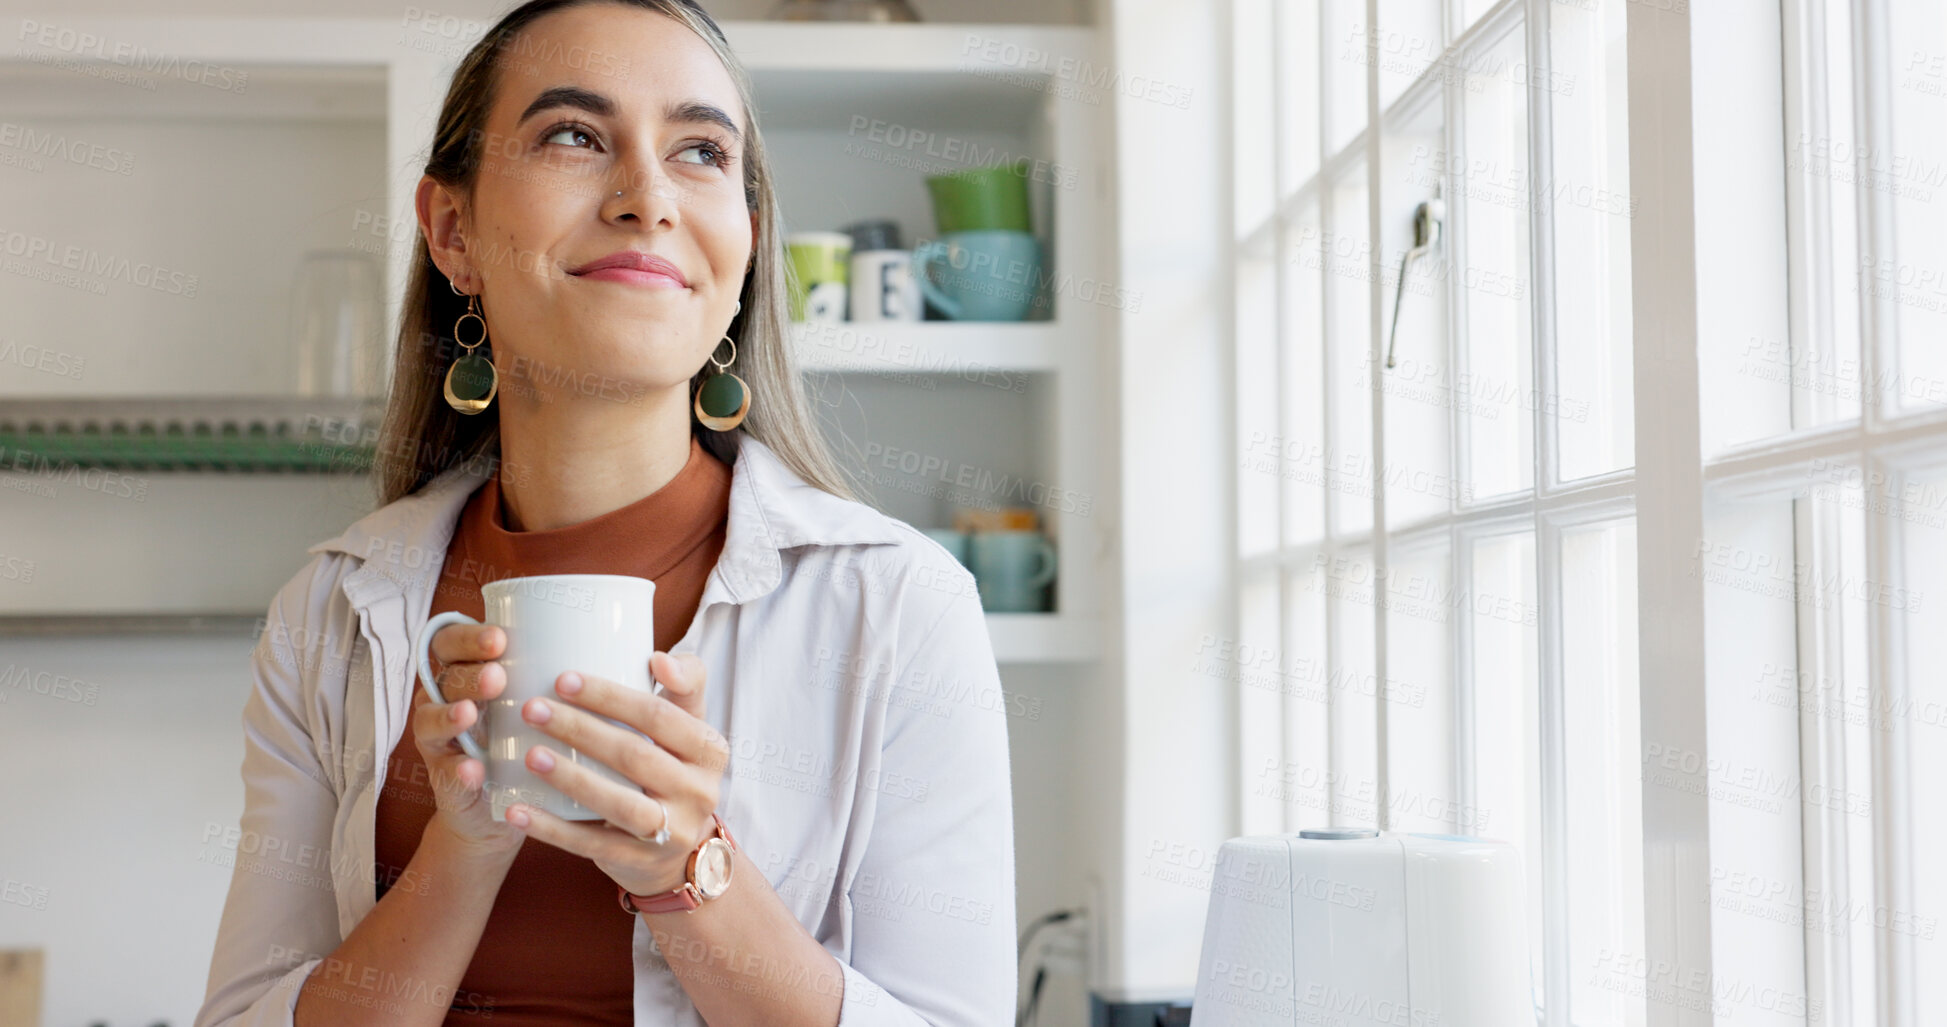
[(422, 436)]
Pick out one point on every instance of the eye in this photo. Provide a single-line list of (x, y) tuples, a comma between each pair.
[(576, 134), (712, 152)]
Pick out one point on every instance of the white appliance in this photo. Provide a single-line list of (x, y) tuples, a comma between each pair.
[(1362, 929)]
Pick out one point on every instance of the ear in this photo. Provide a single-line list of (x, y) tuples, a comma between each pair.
[(439, 221), (753, 241)]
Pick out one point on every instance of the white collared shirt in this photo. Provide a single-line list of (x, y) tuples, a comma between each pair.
[(849, 667)]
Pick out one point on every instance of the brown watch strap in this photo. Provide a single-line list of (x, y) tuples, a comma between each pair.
[(685, 897)]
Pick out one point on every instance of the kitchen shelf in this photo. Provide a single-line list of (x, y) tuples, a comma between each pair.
[(855, 117), (967, 74), (267, 92), (243, 434), (962, 348)]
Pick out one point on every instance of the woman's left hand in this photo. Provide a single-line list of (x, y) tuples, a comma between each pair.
[(684, 768)]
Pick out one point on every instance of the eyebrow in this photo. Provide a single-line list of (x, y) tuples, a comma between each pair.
[(603, 107)]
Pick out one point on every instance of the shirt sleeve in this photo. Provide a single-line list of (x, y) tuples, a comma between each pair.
[(933, 900), (280, 919)]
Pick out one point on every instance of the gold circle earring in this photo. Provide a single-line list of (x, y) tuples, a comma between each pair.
[(723, 400), (472, 381)]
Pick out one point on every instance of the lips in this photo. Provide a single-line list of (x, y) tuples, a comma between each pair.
[(630, 265)]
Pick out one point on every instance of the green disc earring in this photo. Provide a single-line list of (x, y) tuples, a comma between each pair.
[(724, 399), (472, 380)]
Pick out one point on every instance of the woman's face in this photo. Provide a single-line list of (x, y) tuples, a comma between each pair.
[(594, 101)]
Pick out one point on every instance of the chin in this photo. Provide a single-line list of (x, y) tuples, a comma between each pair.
[(623, 372)]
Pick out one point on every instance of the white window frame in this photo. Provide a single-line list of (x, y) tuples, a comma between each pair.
[(1884, 440), (1670, 466), (1546, 510)]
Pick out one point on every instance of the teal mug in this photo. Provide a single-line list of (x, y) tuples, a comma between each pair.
[(955, 542), (1012, 569), (986, 275)]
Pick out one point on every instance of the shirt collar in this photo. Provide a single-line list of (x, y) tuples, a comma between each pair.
[(771, 509)]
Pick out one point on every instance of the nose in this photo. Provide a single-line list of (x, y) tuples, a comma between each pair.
[(642, 192)]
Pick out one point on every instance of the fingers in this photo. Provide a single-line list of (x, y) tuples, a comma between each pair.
[(682, 677), (464, 652), (626, 808), (479, 681), (668, 724), (469, 643), (435, 729), (598, 842), (626, 752), (436, 724)]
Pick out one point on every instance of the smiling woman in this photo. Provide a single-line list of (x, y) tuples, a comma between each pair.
[(530, 159), (791, 844)]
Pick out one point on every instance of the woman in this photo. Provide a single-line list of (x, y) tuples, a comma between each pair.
[(597, 214)]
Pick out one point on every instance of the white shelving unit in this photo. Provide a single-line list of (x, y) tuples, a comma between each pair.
[(964, 348), (322, 148), (855, 116)]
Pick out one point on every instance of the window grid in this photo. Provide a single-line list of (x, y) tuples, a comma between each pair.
[(1545, 509), (1885, 442)]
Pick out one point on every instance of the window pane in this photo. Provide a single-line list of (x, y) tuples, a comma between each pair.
[(1253, 662), (1826, 686), (1593, 406), (1348, 583), (1252, 88), (1421, 793), (1468, 12), (1302, 777), (1493, 183), (1418, 389), (1408, 44), (1506, 717), (1348, 256), (1749, 769), (1912, 169), (1921, 712), (1603, 747), (1820, 364), (1297, 29), (1345, 73), (1302, 453), (1260, 462), (1742, 238)]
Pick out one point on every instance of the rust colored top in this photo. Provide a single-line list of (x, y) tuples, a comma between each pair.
[(556, 948)]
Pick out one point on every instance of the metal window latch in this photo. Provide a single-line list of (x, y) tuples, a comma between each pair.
[(1427, 219)]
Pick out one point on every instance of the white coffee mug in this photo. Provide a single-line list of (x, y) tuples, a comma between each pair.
[(595, 624), (883, 287)]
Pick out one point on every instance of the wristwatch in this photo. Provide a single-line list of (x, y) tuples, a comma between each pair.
[(705, 876)]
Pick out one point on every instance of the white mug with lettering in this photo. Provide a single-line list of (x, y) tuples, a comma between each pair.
[(883, 287), (596, 624)]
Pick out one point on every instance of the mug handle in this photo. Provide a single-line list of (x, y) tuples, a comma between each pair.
[(1047, 572), (420, 650), (923, 258)]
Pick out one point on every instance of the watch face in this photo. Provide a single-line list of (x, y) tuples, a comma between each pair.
[(713, 868)]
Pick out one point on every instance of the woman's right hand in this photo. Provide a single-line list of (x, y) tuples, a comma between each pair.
[(465, 656)]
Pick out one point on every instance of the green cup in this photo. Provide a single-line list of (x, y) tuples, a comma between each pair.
[(981, 199), (818, 274)]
